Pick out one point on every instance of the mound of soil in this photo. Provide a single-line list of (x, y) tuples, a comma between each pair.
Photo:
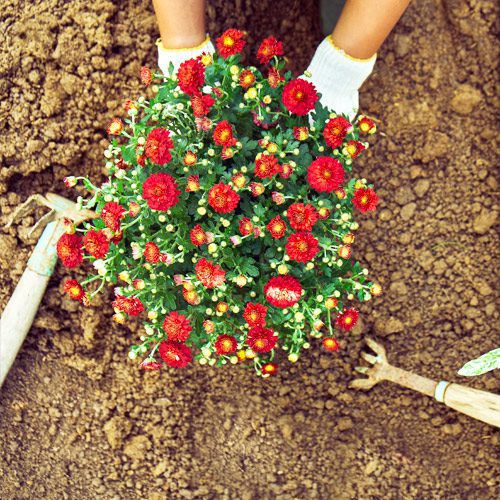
[(78, 420)]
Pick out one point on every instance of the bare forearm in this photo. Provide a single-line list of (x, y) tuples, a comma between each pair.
[(364, 25), (181, 22)]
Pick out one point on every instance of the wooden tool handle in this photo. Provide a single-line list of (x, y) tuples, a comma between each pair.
[(480, 405), (18, 317), (22, 307)]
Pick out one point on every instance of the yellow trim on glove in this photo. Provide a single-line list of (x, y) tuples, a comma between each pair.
[(202, 44), (357, 59)]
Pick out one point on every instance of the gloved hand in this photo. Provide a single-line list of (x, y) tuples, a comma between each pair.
[(178, 56), (338, 77)]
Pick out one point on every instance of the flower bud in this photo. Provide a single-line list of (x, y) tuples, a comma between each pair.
[(283, 269), (70, 181), (331, 303)]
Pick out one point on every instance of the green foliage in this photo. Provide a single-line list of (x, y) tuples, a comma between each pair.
[(249, 261), (485, 363)]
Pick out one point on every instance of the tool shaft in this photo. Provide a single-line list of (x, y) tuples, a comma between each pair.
[(477, 404), (22, 307)]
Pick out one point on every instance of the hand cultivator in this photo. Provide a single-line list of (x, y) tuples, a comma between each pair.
[(477, 404), (21, 309)]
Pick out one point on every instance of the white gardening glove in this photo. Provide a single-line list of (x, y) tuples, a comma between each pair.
[(338, 76), (178, 56)]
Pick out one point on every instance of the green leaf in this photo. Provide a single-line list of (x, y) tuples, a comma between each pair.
[(483, 364), (250, 269), (169, 301), (259, 210), (128, 155)]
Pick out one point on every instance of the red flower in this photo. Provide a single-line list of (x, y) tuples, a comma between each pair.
[(302, 246), (175, 354), (269, 369), (203, 123), (247, 78), (223, 134), (335, 131), (158, 146), (256, 188), (245, 226), (201, 104), (273, 77), (151, 252), (129, 104), (96, 243), (115, 127), (354, 148), (133, 208), (230, 43), (239, 180), (223, 198), (74, 290), (117, 236), (266, 166), (177, 327), (269, 48), (262, 339), (111, 214), (191, 297), (160, 191), (191, 76), (286, 171), (299, 96), (141, 160), (324, 213), (347, 319), (277, 227), (190, 158), (69, 250), (210, 275), (130, 305), (278, 198), (150, 365), (146, 75), (366, 125), (283, 291), (302, 217), (340, 192), (193, 183), (301, 133), (344, 251), (225, 344), (331, 344), (255, 314), (198, 236), (209, 326), (365, 199), (325, 174)]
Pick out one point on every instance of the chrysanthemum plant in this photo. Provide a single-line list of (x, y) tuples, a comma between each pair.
[(227, 221)]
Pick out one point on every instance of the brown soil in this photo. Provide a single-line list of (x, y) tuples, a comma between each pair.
[(79, 421)]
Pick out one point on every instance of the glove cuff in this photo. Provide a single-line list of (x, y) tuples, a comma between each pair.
[(338, 76), (178, 56)]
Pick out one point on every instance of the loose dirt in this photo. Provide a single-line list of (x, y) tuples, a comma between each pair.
[(77, 418)]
